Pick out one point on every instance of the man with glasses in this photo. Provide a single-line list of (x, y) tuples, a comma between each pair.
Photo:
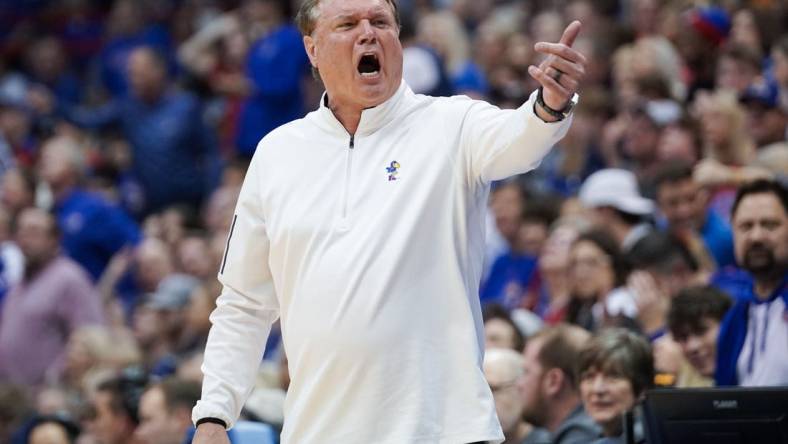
[(502, 368)]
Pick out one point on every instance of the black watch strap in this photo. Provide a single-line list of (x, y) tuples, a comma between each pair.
[(560, 115), (212, 421)]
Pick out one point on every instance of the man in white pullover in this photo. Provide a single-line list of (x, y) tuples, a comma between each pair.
[(361, 226)]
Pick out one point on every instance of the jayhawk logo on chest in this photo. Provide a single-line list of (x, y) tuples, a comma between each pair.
[(393, 170)]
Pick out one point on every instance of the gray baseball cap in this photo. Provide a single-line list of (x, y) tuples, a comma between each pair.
[(173, 292)]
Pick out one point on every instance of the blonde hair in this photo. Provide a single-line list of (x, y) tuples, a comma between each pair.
[(738, 149), (657, 55)]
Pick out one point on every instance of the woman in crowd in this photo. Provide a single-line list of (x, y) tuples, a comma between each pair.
[(615, 369), (500, 330), (596, 271)]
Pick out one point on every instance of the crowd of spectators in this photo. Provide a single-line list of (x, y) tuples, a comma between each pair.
[(649, 248)]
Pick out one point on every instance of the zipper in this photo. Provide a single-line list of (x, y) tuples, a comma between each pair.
[(343, 222)]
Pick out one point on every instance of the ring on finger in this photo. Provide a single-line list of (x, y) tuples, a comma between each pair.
[(557, 76)]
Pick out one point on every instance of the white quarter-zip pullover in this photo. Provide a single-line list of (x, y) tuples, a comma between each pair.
[(370, 248)]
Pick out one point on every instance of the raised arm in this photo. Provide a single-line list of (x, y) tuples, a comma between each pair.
[(560, 73), (195, 53), (502, 143)]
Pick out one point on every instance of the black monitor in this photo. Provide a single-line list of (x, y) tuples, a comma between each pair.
[(735, 415)]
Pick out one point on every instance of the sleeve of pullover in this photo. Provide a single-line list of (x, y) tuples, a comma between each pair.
[(502, 143), (245, 311)]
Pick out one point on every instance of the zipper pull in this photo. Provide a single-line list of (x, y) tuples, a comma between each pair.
[(352, 141)]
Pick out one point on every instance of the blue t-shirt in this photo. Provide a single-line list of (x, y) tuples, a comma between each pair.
[(93, 230), (276, 65), (509, 277), (469, 78)]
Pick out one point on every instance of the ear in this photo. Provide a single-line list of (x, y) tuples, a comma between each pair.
[(553, 382), (311, 49)]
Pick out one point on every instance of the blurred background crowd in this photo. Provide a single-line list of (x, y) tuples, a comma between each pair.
[(126, 128)]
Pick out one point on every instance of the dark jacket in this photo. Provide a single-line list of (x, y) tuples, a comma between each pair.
[(577, 428)]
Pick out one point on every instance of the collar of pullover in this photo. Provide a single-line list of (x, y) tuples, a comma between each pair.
[(372, 119)]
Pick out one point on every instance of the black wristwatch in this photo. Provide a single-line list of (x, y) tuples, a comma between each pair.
[(212, 421), (558, 114)]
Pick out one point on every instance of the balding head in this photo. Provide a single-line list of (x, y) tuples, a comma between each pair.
[(49, 432), (502, 366), (577, 336), (62, 162)]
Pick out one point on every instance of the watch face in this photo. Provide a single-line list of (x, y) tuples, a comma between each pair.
[(570, 106)]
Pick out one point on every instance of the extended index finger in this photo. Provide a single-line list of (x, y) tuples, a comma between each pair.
[(560, 50), (570, 33)]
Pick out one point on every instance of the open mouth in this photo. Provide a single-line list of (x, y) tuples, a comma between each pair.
[(369, 65)]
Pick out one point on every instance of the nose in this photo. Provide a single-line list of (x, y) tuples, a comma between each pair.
[(757, 234), (684, 210), (693, 343), (599, 383), (367, 32)]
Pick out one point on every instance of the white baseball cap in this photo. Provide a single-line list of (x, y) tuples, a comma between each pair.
[(615, 188)]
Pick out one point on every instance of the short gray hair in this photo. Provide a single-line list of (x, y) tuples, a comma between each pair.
[(308, 13), (620, 353)]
